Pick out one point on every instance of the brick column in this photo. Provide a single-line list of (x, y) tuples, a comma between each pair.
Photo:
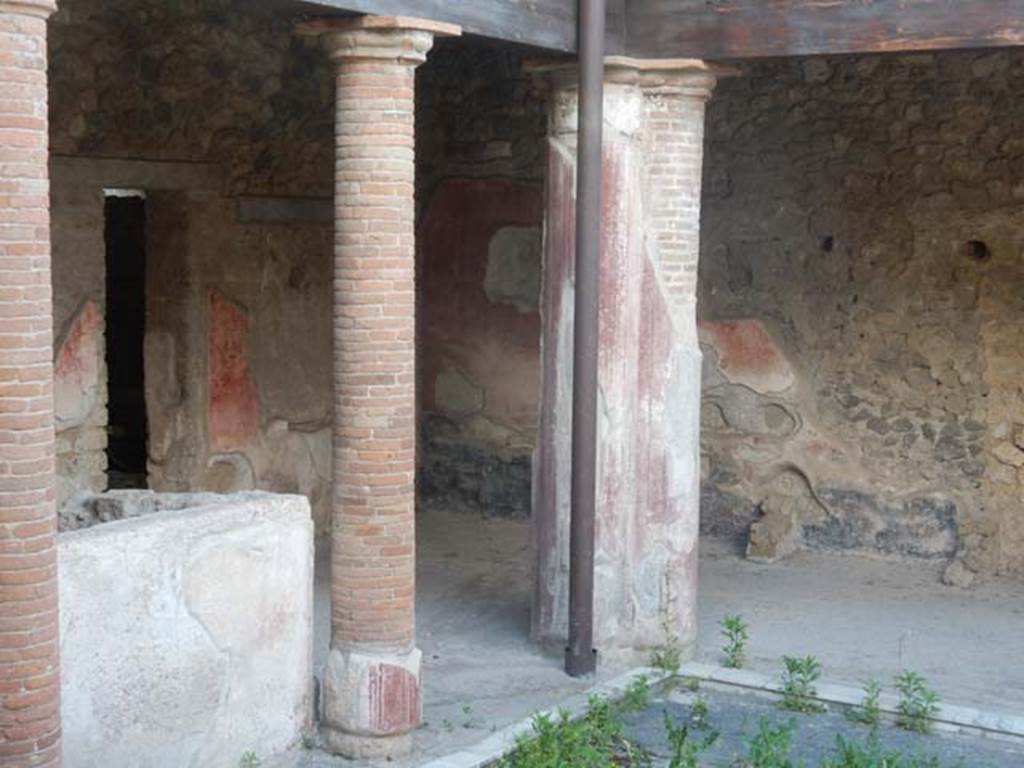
[(649, 364), (372, 698), (29, 659), (675, 97)]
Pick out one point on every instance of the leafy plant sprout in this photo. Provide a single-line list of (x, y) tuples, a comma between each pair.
[(798, 684), (918, 703), (736, 633), (870, 711)]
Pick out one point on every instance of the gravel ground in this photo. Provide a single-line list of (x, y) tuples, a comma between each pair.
[(737, 717)]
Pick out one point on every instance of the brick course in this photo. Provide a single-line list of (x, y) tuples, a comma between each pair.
[(675, 103), (372, 690), (29, 664), (373, 577)]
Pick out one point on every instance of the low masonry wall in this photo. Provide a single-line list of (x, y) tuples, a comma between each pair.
[(186, 630)]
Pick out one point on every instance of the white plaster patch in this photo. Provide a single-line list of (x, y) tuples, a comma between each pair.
[(514, 268), (186, 636)]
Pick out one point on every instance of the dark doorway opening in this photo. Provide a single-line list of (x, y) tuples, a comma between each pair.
[(125, 330)]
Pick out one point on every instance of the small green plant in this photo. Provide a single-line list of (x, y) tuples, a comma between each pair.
[(684, 751), (668, 657), (699, 712), (736, 633), (798, 689), (637, 696), (918, 703), (596, 740), (870, 710), (853, 755), (771, 746), (249, 760), (850, 754)]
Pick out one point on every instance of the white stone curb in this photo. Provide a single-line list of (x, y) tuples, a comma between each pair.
[(950, 717), (500, 743)]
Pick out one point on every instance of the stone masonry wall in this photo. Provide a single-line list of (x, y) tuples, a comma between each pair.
[(480, 164), (858, 286), (860, 295), (223, 116)]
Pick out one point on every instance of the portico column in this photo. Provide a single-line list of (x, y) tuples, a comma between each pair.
[(372, 698), (649, 359), (29, 658)]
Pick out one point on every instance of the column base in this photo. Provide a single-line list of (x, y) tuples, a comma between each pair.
[(372, 703), (355, 747)]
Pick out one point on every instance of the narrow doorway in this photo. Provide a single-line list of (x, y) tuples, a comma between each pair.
[(125, 213)]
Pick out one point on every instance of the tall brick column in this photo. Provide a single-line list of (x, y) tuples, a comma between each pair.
[(649, 370), (29, 663), (372, 698)]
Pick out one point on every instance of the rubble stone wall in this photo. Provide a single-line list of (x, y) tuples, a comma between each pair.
[(480, 163), (222, 116), (861, 299), (859, 287)]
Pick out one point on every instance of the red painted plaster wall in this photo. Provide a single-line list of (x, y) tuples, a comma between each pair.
[(234, 418), (495, 345)]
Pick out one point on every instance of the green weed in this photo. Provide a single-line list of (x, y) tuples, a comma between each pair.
[(637, 696), (668, 657), (771, 746), (736, 633), (597, 740), (918, 703), (684, 751), (870, 710), (798, 689), (871, 755), (699, 712)]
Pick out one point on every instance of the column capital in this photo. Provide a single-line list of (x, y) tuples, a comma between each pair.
[(685, 77), (400, 38), (692, 78), (39, 8)]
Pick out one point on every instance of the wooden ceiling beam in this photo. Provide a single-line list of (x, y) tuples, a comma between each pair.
[(747, 29), (545, 24)]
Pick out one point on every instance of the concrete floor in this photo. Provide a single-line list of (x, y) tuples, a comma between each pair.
[(862, 617), (480, 670)]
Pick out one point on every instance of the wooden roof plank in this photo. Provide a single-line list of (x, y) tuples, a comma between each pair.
[(740, 29), (545, 24)]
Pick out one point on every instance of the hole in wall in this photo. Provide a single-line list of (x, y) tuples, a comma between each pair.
[(125, 230), (828, 243), (978, 250)]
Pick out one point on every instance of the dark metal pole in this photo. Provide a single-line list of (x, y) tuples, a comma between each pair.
[(580, 656)]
